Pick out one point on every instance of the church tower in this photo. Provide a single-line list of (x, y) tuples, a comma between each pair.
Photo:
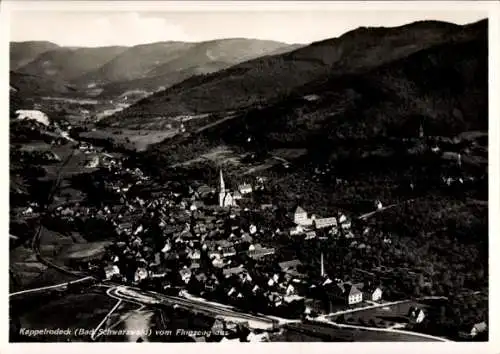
[(421, 131), (322, 266), (222, 189)]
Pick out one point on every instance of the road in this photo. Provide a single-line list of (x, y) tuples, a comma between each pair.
[(325, 319), (371, 213), (96, 332), (151, 298), (389, 330), (213, 124), (343, 312), (51, 287)]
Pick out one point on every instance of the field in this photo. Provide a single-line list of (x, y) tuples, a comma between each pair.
[(138, 140), (381, 317), (70, 311), (217, 156), (325, 333), (24, 268), (86, 250)]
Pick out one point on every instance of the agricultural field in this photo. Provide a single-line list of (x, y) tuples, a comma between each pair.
[(130, 139), (327, 333), (381, 317)]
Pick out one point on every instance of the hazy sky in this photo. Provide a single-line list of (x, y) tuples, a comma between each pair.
[(84, 28)]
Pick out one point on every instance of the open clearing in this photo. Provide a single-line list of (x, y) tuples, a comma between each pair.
[(219, 155), (138, 140), (381, 317), (86, 250)]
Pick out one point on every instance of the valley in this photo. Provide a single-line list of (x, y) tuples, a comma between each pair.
[(336, 191)]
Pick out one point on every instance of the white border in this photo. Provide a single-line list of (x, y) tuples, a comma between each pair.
[(492, 7)]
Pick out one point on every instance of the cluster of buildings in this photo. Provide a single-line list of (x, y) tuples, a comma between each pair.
[(189, 241), (307, 224)]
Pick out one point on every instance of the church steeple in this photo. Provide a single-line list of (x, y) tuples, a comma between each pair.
[(421, 131), (222, 185), (322, 266)]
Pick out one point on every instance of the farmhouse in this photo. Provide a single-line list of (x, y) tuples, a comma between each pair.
[(300, 217)]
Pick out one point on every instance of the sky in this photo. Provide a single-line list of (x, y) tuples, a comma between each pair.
[(102, 27)]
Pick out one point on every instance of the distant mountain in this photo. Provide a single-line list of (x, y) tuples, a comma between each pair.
[(66, 64), (160, 65), (133, 63), (272, 78), (113, 71), (154, 83), (21, 53)]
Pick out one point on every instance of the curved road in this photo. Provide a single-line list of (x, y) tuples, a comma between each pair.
[(324, 319), (377, 329), (151, 298)]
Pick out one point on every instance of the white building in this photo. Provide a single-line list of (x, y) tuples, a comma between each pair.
[(245, 188), (300, 217)]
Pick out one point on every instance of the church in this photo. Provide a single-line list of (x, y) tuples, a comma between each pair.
[(226, 199)]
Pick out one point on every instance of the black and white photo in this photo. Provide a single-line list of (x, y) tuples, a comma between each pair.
[(239, 175)]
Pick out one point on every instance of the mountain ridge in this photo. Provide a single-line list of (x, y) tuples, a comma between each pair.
[(270, 78)]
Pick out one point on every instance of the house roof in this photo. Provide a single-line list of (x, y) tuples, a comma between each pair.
[(234, 270), (290, 264), (299, 210)]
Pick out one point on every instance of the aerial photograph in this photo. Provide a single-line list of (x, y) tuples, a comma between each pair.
[(248, 176)]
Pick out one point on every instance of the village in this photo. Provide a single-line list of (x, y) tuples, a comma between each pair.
[(217, 243), (200, 242)]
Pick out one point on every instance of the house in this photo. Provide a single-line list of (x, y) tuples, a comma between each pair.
[(325, 222), (372, 293), (310, 235), (194, 255), (257, 251), (297, 230), (245, 188), (233, 271), (300, 217), (314, 306), (228, 251), (348, 293), (237, 195), (290, 290), (185, 274), (344, 221), (472, 331), (416, 314), (140, 274)]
